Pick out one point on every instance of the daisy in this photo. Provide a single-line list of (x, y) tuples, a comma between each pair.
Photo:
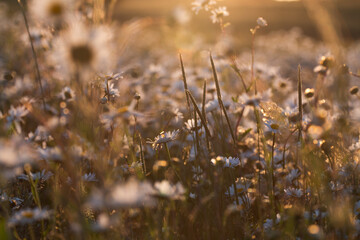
[(83, 48), (67, 94), (261, 22), (52, 11), (190, 125), (202, 4), (131, 194), (229, 162), (15, 116), (162, 138), (41, 176), (293, 192), (89, 177), (282, 85), (28, 216), (218, 14), (15, 152), (272, 126), (166, 190)]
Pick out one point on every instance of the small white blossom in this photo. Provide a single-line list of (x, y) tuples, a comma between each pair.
[(261, 22), (164, 137), (15, 116), (28, 216), (166, 190), (229, 162), (202, 4), (293, 192), (218, 14)]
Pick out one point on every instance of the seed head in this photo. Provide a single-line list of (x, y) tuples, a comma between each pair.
[(309, 92), (354, 90)]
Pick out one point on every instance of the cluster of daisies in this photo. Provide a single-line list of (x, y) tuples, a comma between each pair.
[(106, 131)]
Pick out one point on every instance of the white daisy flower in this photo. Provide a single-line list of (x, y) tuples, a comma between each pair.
[(163, 137), (28, 216), (218, 14)]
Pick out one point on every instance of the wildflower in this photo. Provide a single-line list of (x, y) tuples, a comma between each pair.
[(109, 119), (83, 48), (67, 94), (41, 176), (52, 11), (272, 126), (104, 222), (41, 135), (163, 137), (218, 14), (261, 22), (355, 146), (293, 192), (15, 116), (293, 174), (137, 96), (28, 216), (212, 105), (241, 186), (181, 15), (269, 223), (166, 190), (89, 177), (202, 4), (229, 162), (309, 92), (15, 152), (110, 90), (282, 85), (131, 194), (190, 125)]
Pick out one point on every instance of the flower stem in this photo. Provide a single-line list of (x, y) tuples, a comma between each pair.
[(38, 76)]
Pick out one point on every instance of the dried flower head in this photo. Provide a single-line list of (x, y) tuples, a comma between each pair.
[(309, 92)]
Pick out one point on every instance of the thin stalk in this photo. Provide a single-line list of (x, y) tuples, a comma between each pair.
[(196, 136), (272, 163), (235, 189), (199, 113), (253, 80), (300, 103), (237, 71), (184, 79), (142, 155), (170, 161), (355, 74), (284, 150), (220, 98), (204, 113), (38, 75)]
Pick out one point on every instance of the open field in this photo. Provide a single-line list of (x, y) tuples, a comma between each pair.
[(212, 120)]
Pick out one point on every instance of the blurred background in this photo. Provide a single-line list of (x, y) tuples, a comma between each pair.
[(280, 14)]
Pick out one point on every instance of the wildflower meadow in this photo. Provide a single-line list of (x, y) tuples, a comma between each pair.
[(176, 124)]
